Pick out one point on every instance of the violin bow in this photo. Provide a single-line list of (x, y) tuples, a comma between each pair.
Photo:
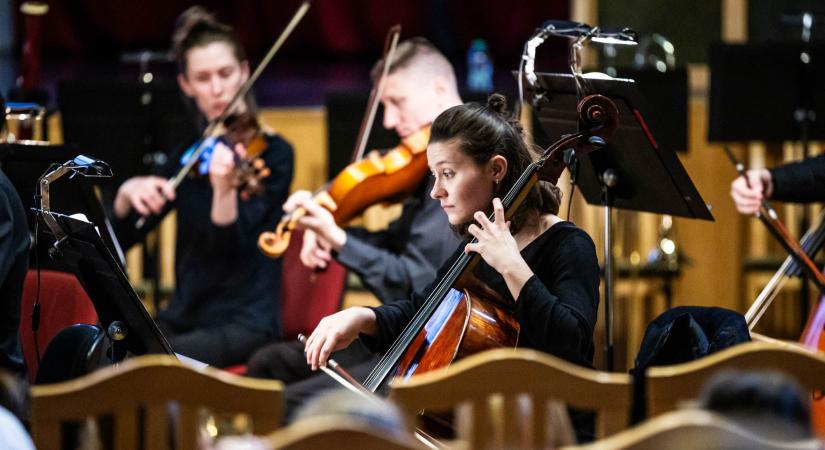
[(770, 218), (390, 43), (175, 181)]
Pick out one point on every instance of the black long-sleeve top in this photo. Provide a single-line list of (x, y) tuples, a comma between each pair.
[(14, 257), (556, 308), (802, 181), (221, 277)]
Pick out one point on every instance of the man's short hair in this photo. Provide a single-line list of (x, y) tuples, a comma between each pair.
[(406, 53)]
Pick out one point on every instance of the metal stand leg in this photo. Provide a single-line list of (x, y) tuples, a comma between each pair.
[(609, 180)]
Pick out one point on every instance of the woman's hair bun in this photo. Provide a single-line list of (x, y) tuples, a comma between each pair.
[(497, 103)]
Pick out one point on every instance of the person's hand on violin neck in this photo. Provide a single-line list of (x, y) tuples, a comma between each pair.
[(224, 186), (316, 218), (145, 194), (499, 248), (315, 251), (336, 332), (748, 194)]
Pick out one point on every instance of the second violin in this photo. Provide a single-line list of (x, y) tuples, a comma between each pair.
[(361, 184)]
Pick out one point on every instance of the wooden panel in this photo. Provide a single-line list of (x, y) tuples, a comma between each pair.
[(306, 130)]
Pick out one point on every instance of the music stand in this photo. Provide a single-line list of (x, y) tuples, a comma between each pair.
[(121, 314), (764, 92), (632, 172), (24, 164)]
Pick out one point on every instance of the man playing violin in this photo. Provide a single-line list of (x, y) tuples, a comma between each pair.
[(392, 263), (227, 298)]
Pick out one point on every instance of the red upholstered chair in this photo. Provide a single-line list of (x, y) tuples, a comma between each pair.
[(306, 296), (63, 302)]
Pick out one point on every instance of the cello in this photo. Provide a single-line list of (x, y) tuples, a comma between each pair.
[(813, 334), (462, 315)]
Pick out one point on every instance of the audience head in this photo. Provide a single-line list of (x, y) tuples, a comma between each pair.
[(768, 403)]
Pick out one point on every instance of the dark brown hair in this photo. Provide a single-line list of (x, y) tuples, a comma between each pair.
[(196, 27), (482, 132)]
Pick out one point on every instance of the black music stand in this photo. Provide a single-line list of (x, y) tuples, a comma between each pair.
[(765, 92), (121, 314), (632, 172), (24, 164)]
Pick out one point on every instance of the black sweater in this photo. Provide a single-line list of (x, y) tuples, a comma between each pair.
[(556, 307), (802, 181), (221, 277)]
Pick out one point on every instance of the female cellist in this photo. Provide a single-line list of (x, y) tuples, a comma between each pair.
[(227, 297), (391, 263), (545, 265)]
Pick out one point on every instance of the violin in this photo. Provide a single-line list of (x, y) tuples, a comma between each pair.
[(360, 185), (249, 170), (365, 181), (462, 315)]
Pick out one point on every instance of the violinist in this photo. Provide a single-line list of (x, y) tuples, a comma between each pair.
[(227, 297), (801, 181), (391, 263), (546, 265)]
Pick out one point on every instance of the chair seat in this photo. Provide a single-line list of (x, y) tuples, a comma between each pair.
[(63, 302)]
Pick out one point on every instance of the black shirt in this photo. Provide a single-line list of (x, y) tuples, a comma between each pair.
[(14, 255), (802, 181), (221, 277), (556, 308)]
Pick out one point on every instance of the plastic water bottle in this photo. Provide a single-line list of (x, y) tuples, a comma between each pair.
[(479, 67)]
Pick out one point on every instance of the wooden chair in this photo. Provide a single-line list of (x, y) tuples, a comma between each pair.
[(340, 433), (691, 429), (510, 374), (145, 387), (669, 385)]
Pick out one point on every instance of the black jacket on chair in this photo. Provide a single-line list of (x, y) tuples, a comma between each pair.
[(683, 334)]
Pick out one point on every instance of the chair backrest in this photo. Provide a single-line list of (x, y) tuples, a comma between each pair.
[(145, 387), (691, 429), (340, 433), (666, 386), (509, 375), (63, 302), (308, 296)]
